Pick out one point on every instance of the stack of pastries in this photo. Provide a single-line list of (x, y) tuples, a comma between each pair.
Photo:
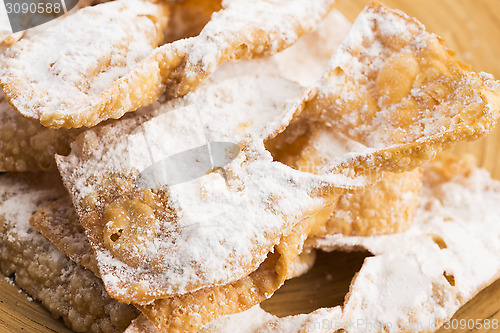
[(168, 165)]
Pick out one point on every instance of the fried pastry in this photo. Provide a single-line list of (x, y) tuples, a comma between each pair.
[(26, 145), (396, 89), (417, 279), (240, 294), (235, 266), (387, 206), (67, 290), (105, 187), (241, 30), (59, 223), (60, 71)]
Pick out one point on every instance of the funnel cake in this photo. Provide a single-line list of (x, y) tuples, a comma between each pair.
[(241, 30)]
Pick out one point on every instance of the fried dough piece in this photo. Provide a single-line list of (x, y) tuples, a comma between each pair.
[(62, 70), (189, 312), (58, 222), (241, 30), (67, 290), (25, 145), (417, 279), (152, 256), (396, 89), (415, 100), (385, 207)]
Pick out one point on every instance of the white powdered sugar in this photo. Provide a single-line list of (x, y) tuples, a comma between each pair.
[(364, 37), (379, 90), (278, 19), (429, 271), (303, 62)]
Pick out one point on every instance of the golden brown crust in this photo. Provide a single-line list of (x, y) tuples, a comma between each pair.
[(386, 207), (25, 145), (57, 223)]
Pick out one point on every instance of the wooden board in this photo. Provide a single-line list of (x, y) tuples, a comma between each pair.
[(470, 27)]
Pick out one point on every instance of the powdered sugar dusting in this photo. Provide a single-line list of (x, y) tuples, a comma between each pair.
[(391, 82), (278, 18), (303, 62)]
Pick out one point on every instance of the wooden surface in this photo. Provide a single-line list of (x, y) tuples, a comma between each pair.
[(472, 29), (19, 314)]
